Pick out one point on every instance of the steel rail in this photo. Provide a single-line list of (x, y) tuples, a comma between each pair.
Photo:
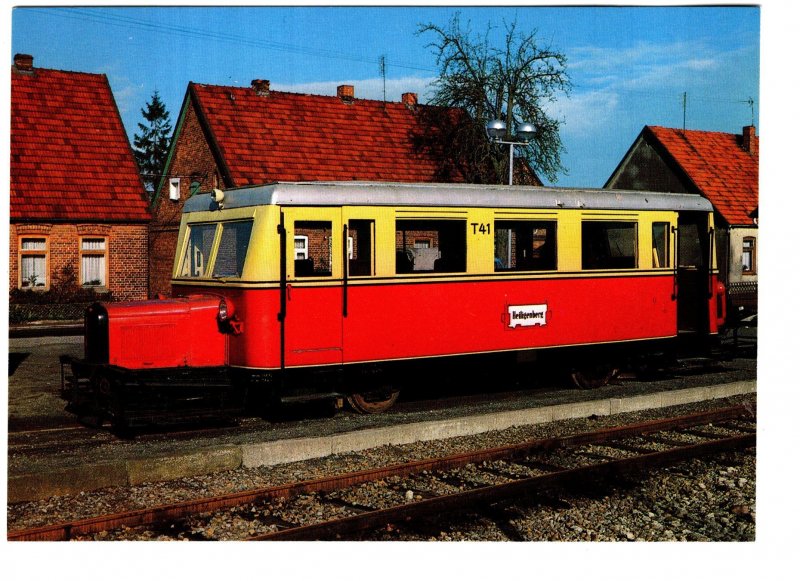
[(180, 510), (339, 528)]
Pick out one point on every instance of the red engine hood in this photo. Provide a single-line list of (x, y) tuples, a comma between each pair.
[(174, 332)]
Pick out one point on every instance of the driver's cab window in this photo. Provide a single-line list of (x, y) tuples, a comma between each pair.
[(198, 253)]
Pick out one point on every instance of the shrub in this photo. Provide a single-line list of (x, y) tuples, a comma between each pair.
[(65, 300)]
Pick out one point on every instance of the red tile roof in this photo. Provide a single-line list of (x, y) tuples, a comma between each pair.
[(70, 157), (719, 167), (295, 137)]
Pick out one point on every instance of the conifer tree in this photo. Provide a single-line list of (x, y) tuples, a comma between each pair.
[(151, 143)]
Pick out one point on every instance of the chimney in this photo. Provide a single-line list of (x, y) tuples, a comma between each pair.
[(23, 62), (410, 100), (749, 138), (346, 93), (261, 87)]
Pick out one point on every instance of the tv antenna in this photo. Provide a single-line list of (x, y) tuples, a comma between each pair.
[(684, 110), (382, 67)]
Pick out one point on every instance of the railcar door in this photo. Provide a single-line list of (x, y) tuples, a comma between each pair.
[(694, 262), (312, 297)]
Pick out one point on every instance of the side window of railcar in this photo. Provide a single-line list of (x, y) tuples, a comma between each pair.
[(423, 245), (198, 252), (660, 244), (359, 247), (608, 245), (316, 260), (232, 249), (524, 245)]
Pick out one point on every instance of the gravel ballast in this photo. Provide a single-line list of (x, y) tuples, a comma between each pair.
[(709, 500)]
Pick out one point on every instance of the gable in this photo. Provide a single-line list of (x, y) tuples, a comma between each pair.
[(70, 157), (646, 168), (716, 165)]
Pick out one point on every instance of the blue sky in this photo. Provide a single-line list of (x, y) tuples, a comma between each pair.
[(630, 65)]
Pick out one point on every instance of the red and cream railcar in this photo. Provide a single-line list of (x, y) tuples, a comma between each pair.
[(295, 290)]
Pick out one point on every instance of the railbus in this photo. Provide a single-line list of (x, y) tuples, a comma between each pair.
[(291, 291)]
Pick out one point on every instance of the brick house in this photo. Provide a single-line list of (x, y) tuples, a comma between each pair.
[(722, 167), (78, 208), (230, 137)]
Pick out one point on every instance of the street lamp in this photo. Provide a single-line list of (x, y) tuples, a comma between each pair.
[(496, 131)]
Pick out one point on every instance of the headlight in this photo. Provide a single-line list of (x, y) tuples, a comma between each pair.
[(223, 310)]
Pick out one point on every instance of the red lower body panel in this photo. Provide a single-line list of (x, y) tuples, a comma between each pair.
[(405, 321), (433, 319)]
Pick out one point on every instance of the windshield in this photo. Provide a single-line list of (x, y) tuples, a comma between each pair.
[(230, 254)]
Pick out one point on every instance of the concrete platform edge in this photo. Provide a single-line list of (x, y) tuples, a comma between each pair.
[(35, 486)]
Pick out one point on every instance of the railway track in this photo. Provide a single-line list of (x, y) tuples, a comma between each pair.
[(430, 488)]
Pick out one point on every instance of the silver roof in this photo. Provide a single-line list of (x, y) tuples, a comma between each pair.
[(453, 195)]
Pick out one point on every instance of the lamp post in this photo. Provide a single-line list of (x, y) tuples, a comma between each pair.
[(496, 131)]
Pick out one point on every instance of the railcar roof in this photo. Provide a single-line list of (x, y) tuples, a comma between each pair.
[(447, 195)]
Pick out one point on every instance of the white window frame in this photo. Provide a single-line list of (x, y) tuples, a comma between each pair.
[(301, 253), (751, 252), (35, 252), (175, 189), (93, 252)]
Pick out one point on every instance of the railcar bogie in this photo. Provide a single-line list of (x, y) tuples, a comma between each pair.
[(347, 290)]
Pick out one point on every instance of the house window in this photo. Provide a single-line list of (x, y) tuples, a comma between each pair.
[(33, 255), (300, 247), (94, 260), (175, 188), (749, 255)]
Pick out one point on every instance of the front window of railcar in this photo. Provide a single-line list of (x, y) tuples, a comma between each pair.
[(231, 251), (198, 253), (233, 244)]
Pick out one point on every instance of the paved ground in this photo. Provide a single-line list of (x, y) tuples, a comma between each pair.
[(35, 379)]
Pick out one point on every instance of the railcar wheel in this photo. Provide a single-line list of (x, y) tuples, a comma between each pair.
[(373, 402), (594, 376)]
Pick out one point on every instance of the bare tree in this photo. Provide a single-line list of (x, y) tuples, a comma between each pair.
[(514, 83)]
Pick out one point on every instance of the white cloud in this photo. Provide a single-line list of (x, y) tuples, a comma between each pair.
[(645, 65), (585, 113), (126, 95)]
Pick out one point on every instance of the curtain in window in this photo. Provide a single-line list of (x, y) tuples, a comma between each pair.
[(33, 267), (34, 244), (33, 271), (93, 266), (93, 269)]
